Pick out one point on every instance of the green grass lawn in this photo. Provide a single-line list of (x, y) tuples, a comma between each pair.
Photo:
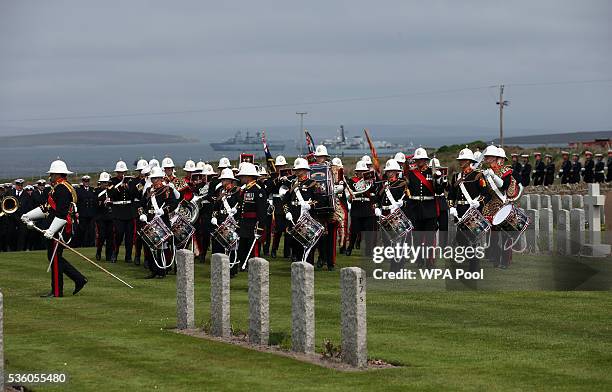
[(111, 338)]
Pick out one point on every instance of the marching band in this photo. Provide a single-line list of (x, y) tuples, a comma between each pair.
[(244, 210)]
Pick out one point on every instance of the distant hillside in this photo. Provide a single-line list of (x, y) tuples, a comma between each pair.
[(100, 138), (556, 138)]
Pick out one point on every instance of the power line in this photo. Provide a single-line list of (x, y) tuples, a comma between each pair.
[(294, 104)]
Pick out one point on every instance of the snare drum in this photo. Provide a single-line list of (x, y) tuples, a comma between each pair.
[(181, 228), (396, 225), (306, 230), (512, 220), (155, 233), (474, 222), (227, 233)]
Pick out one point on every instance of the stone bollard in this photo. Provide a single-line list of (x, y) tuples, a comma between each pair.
[(566, 202), (353, 316), (555, 202), (220, 296), (185, 318), (545, 201), (532, 232), (259, 301), (525, 202), (302, 308), (1, 343), (577, 229), (535, 201), (546, 229), (563, 231)]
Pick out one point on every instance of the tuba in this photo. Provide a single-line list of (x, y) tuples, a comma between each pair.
[(8, 205)]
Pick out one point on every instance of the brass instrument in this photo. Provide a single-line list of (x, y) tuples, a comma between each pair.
[(8, 205)]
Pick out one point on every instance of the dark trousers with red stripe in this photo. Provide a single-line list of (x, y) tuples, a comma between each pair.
[(124, 228), (327, 244), (424, 234), (59, 267), (104, 236)]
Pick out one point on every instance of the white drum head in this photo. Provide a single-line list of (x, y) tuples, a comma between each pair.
[(502, 214)]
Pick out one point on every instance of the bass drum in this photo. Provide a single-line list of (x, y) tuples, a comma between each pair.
[(322, 174), (155, 233)]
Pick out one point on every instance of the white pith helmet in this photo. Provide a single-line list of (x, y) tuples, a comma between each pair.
[(392, 165), (301, 163), (227, 174), (420, 153), (321, 151), (247, 169), (58, 167), (280, 161), (121, 167)]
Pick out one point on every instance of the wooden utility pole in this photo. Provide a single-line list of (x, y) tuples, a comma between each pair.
[(501, 104)]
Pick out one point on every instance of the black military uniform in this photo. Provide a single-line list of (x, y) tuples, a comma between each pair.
[(492, 204), (4, 226), (104, 224), (599, 169), (516, 168), (442, 203), (137, 186), (252, 211), (549, 174), (308, 188), (576, 170), (18, 232), (87, 209), (167, 202), (526, 174), (422, 207), (363, 220), (588, 171), (476, 188), (566, 171), (280, 222), (609, 165), (220, 212), (62, 199), (538, 172), (122, 197), (266, 239)]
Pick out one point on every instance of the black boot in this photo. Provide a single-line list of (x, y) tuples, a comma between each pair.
[(137, 260), (348, 251), (98, 255), (79, 286), (273, 254), (113, 258)]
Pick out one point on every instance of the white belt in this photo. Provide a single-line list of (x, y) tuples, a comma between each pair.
[(421, 198), (121, 202), (361, 199), (276, 195)]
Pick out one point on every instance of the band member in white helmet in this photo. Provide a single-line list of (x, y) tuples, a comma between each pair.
[(159, 201), (122, 197), (60, 207), (298, 200), (363, 198)]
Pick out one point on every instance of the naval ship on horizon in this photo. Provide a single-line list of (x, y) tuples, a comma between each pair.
[(342, 145), (246, 143)]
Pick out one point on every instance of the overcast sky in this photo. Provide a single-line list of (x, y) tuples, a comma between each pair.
[(76, 58)]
